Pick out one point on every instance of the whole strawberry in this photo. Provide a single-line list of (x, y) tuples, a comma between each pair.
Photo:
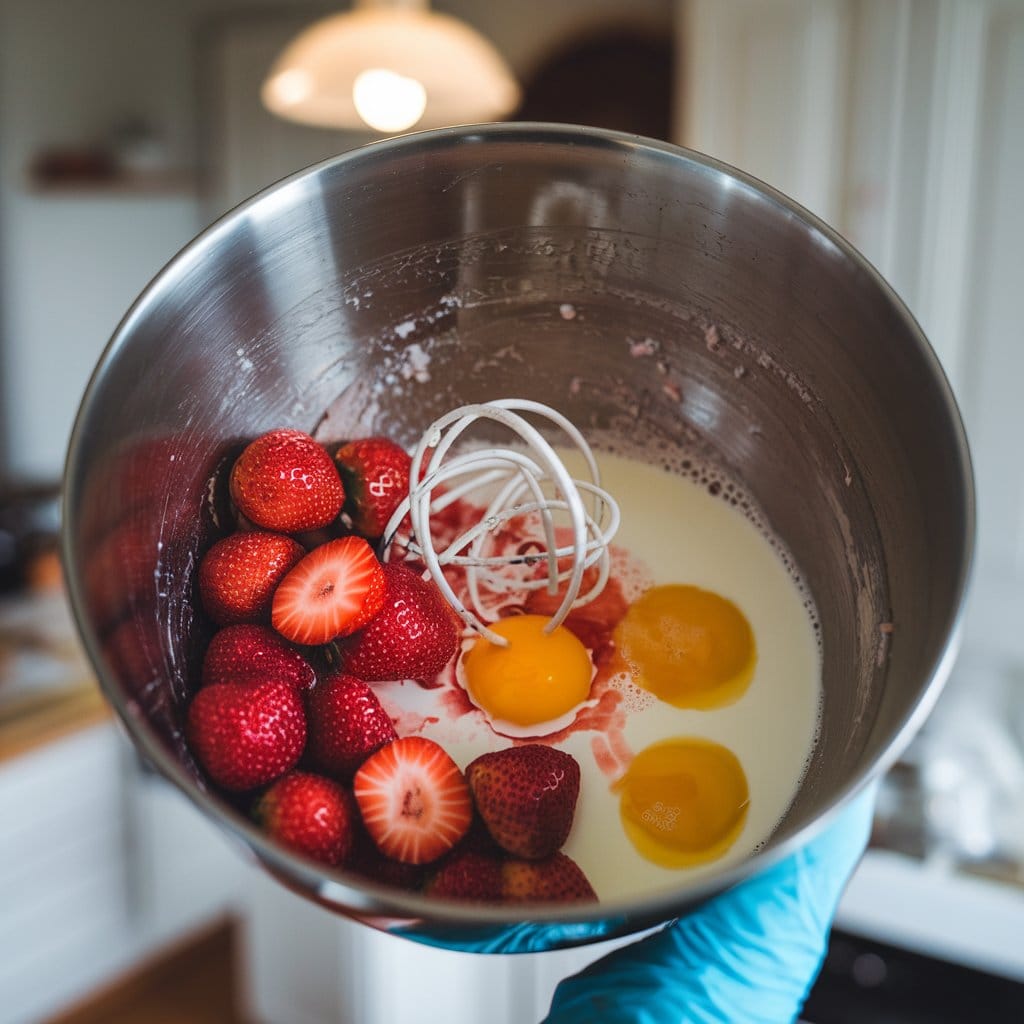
[(557, 879), (526, 797), (412, 637), (248, 653), (467, 875), (286, 482), (238, 575), (375, 474), (368, 861), (311, 814), (347, 723), (246, 734)]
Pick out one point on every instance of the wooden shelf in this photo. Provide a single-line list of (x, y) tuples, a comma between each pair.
[(194, 982), (31, 725), (159, 183)]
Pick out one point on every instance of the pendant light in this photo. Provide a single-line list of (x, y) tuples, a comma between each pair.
[(391, 66)]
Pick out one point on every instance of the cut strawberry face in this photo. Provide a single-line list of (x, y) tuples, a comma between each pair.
[(254, 654), (246, 735), (237, 576), (413, 800), (526, 797), (335, 590), (557, 879), (310, 814), (347, 723), (285, 481), (375, 474), (414, 636)]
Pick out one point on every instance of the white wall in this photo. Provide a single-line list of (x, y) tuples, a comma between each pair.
[(70, 72), (917, 156)]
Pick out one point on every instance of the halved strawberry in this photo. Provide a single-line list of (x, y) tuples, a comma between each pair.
[(557, 879), (526, 797), (413, 799), (286, 482), (375, 474), (237, 576), (413, 637), (335, 590), (311, 814), (248, 653), (347, 723), (247, 734)]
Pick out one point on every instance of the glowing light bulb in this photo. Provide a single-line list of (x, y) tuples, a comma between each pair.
[(291, 86), (388, 101)]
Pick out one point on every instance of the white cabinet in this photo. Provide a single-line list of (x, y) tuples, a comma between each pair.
[(100, 866)]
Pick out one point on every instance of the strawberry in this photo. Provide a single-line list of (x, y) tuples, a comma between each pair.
[(526, 796), (375, 474), (120, 566), (558, 879), (311, 814), (347, 723), (237, 576), (247, 734), (248, 653), (286, 482), (467, 875), (335, 590), (371, 864), (413, 637), (413, 799)]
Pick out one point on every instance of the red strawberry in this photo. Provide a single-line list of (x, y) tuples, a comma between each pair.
[(237, 576), (413, 637), (375, 474), (335, 590), (558, 879), (246, 735), (369, 862), (254, 654), (347, 723), (311, 814), (526, 796), (414, 801), (285, 481), (467, 875)]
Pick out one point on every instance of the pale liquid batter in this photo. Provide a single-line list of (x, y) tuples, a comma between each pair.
[(680, 533)]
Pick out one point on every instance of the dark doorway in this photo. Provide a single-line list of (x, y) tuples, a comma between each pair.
[(621, 80)]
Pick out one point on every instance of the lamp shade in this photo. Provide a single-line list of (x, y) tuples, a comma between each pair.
[(392, 68)]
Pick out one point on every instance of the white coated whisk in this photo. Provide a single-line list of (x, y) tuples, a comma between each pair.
[(518, 482)]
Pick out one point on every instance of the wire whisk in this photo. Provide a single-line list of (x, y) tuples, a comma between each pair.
[(526, 481)]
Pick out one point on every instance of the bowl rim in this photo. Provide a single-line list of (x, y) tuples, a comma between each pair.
[(353, 895)]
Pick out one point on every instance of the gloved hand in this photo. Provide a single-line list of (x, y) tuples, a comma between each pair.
[(748, 956)]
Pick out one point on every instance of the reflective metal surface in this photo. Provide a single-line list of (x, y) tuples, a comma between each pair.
[(401, 280)]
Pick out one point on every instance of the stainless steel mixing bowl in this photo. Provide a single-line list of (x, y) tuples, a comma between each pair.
[(398, 281)]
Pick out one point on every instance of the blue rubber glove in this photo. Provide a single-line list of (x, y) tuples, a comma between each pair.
[(748, 956)]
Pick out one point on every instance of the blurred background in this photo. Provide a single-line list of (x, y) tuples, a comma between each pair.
[(126, 126)]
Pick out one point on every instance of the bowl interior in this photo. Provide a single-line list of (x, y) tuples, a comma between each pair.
[(373, 293)]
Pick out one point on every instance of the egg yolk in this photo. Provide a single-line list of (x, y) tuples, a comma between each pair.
[(689, 647), (536, 678), (683, 801)]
